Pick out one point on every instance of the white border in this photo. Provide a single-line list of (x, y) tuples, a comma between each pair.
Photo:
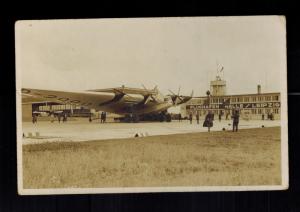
[(284, 142)]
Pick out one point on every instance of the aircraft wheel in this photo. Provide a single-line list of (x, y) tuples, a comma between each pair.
[(168, 118), (136, 118), (161, 117)]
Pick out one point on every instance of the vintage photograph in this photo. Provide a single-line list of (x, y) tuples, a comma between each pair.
[(151, 104)]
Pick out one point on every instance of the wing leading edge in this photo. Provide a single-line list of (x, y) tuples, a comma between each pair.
[(110, 102), (89, 99)]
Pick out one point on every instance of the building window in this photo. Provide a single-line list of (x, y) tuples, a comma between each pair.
[(276, 111), (268, 98), (246, 99), (253, 111), (254, 99), (275, 98), (233, 99), (259, 111), (260, 98)]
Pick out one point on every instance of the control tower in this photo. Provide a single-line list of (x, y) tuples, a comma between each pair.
[(218, 87)]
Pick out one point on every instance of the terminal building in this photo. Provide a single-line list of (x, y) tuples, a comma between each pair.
[(251, 106)]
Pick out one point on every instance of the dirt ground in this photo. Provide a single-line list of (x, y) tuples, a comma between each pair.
[(248, 157)]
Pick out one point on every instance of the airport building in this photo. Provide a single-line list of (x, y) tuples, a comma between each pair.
[(251, 106)]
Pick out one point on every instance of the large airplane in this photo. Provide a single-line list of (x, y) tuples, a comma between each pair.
[(132, 103)]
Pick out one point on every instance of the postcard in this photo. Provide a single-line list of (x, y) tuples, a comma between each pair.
[(173, 104)]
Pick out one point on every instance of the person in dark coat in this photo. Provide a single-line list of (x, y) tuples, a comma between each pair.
[(102, 117), (208, 121), (235, 119), (197, 117), (179, 117), (64, 117), (191, 117), (58, 117), (271, 116), (34, 118), (263, 116)]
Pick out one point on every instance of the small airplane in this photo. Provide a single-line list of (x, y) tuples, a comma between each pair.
[(132, 103)]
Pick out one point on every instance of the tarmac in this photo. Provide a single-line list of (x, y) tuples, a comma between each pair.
[(83, 130)]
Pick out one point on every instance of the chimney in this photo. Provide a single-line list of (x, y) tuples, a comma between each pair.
[(258, 89)]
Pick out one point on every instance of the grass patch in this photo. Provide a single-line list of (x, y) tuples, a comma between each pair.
[(248, 157)]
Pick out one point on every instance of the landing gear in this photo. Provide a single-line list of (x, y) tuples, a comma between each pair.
[(168, 117), (165, 116), (161, 117), (131, 118)]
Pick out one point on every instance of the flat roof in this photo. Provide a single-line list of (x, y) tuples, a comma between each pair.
[(235, 95)]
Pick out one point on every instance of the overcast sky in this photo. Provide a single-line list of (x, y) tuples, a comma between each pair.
[(167, 52)]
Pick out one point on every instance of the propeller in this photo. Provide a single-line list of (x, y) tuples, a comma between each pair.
[(122, 92), (150, 95), (179, 99)]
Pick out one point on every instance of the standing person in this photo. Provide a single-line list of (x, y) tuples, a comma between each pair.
[(220, 116), (90, 117), (263, 116), (227, 114), (58, 117), (197, 117), (52, 117), (179, 117), (102, 117), (191, 117), (235, 119), (64, 118), (208, 121), (34, 119), (271, 116)]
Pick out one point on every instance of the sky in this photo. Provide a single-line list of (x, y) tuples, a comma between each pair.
[(167, 52)]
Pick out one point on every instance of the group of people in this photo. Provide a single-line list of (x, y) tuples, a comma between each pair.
[(103, 117), (63, 117), (60, 117), (270, 116), (209, 118), (191, 117)]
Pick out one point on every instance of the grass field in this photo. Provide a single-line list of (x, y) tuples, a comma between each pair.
[(248, 157)]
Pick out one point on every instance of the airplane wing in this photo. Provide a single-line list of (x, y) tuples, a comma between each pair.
[(115, 100), (85, 98), (127, 90)]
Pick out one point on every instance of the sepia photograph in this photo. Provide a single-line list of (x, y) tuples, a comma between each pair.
[(174, 104)]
